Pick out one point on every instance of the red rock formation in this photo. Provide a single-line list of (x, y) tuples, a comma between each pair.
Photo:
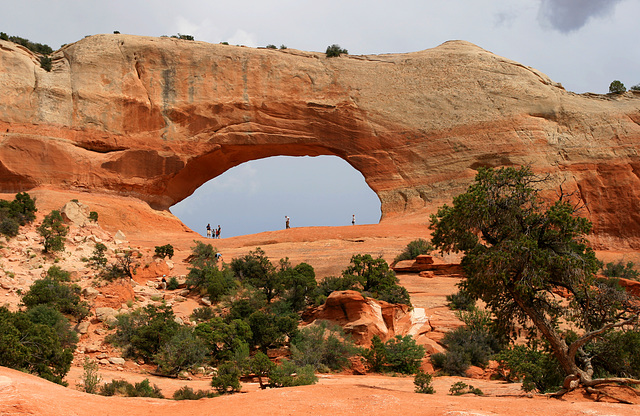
[(154, 118), (362, 317)]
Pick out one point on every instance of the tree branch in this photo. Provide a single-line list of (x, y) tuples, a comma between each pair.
[(573, 348)]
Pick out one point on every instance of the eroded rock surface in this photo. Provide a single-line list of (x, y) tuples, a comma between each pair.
[(154, 118)]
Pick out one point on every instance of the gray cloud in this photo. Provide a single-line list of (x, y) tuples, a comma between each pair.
[(569, 15)]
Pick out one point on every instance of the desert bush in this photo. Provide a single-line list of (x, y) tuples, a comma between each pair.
[(143, 332), (323, 346), (400, 354), (93, 216), (202, 314), (461, 301), (126, 389), (90, 377), (123, 267), (98, 259), (473, 344), (55, 290), (9, 227), (422, 381), (45, 63), (536, 369), (227, 379), (53, 231), (288, 374), (164, 251), (208, 279), (459, 388), (261, 366), (33, 347), (222, 337), (270, 46), (269, 330), (187, 393), (335, 50), (414, 249), (616, 87), (173, 283), (376, 279), (51, 317), (619, 269), (184, 350), (32, 46)]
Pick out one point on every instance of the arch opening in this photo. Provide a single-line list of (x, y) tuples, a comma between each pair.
[(256, 196)]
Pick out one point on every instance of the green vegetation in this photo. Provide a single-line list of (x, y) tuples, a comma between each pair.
[(335, 50), (126, 389), (422, 381), (616, 87), (459, 388), (93, 216), (473, 344), (164, 251), (45, 63), (19, 212), (28, 344), (324, 346), (461, 301), (54, 290), (33, 47), (518, 252), (90, 377), (414, 249), (270, 46), (625, 271), (400, 354), (98, 260), (187, 393), (635, 87), (53, 231)]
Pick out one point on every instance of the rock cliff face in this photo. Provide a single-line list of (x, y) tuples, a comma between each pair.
[(154, 118)]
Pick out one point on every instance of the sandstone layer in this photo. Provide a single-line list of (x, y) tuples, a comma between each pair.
[(154, 118)]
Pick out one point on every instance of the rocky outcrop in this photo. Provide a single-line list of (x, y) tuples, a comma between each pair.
[(363, 318), (424, 263), (154, 118)]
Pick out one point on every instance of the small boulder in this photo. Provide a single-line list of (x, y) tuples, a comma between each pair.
[(76, 213), (82, 327), (116, 360)]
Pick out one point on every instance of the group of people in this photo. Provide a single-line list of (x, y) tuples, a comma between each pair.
[(213, 232), (287, 221)]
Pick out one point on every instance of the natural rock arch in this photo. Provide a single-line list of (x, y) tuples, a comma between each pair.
[(154, 118)]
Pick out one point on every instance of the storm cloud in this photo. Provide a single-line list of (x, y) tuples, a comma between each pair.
[(569, 15)]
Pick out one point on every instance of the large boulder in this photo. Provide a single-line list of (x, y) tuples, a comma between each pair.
[(363, 317)]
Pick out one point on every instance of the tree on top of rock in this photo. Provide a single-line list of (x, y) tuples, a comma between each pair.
[(518, 253)]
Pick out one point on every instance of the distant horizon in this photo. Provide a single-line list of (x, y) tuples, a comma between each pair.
[(326, 191)]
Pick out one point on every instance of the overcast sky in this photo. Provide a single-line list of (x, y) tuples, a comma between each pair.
[(583, 44)]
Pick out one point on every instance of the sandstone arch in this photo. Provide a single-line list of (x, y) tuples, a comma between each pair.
[(154, 118)]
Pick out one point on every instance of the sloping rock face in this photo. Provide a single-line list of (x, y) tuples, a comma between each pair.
[(154, 118)]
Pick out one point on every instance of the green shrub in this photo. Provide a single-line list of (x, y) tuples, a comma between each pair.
[(414, 249), (635, 87), (143, 332), (536, 369), (90, 377), (164, 251), (376, 279), (261, 366), (53, 231), (123, 267), (399, 354), (33, 47), (98, 260), (616, 87), (473, 344), (459, 388), (227, 379), (223, 337), (461, 301), (202, 314), (173, 283), (323, 346), (283, 46), (211, 280), (33, 347), (335, 50), (126, 389), (45, 63), (93, 216), (55, 291), (181, 352), (187, 393), (270, 46), (9, 227), (422, 381), (625, 271), (288, 374)]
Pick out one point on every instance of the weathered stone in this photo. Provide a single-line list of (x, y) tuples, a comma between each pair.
[(416, 125), (83, 327), (116, 360), (76, 213), (103, 314), (90, 292)]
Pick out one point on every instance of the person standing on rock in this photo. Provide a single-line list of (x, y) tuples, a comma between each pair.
[(353, 219), (286, 222), (218, 231), (208, 230), (163, 283)]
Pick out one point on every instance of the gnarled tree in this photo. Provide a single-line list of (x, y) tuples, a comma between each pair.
[(519, 253)]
